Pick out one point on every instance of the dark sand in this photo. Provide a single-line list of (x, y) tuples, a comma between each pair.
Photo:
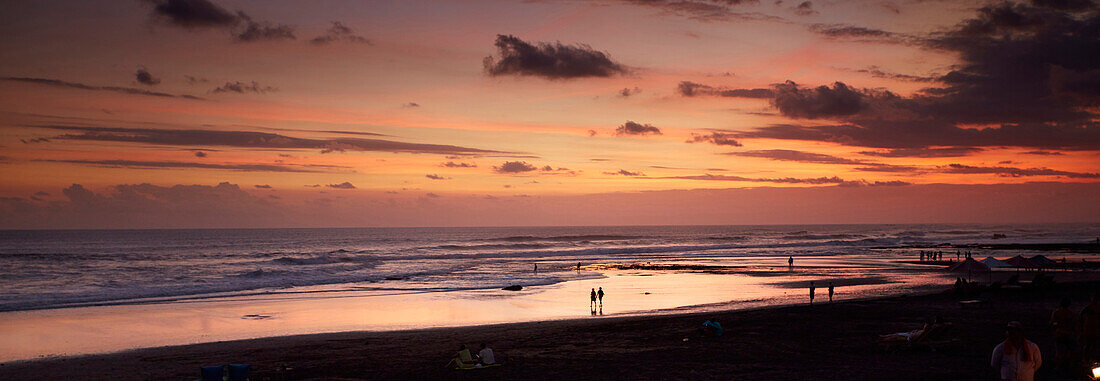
[(820, 342)]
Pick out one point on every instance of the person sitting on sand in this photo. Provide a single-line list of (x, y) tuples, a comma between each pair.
[(485, 355), (462, 359), (1016, 358), (711, 328)]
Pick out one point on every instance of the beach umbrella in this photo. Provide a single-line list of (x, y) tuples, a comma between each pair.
[(969, 266), (994, 263), (1042, 261), (1019, 261)]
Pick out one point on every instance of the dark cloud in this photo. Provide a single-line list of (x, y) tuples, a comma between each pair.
[(143, 77), (411, 105), (821, 101), (781, 180), (195, 80), (200, 154), (339, 33), (514, 167), (431, 195), (262, 30), (193, 13), (591, 133), (263, 186), (1066, 5), (451, 164), (81, 86), (343, 185), (250, 139), (436, 177), (805, 8), (844, 30), (690, 89), (706, 10), (924, 152), (1027, 73), (632, 128), (626, 91), (179, 164), (919, 134), (797, 156), (242, 87), (876, 72), (41, 194), (624, 172), (1016, 172), (34, 140), (716, 137), (549, 60), (1044, 153), (888, 168), (865, 183)]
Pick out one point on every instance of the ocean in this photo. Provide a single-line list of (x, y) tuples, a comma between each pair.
[(69, 268)]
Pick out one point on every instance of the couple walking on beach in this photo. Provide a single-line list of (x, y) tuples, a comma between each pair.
[(596, 295)]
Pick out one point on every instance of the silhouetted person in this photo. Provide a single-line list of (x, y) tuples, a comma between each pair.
[(1090, 329), (830, 291), (922, 255), (958, 255), (790, 262), (599, 294), (813, 289), (536, 268), (1064, 322), (593, 297), (1016, 358), (578, 266)]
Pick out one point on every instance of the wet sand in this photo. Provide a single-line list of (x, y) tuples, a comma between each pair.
[(823, 341)]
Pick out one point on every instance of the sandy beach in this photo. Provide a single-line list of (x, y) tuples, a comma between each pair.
[(822, 341)]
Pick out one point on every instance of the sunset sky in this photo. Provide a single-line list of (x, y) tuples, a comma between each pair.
[(237, 113)]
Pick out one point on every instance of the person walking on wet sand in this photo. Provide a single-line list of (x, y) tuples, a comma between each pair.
[(830, 292), (812, 290), (599, 294), (592, 296)]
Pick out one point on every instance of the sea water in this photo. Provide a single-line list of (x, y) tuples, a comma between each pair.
[(45, 269)]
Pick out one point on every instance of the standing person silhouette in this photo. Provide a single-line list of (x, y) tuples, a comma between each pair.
[(830, 292), (536, 268), (592, 296), (599, 294), (812, 290), (790, 262)]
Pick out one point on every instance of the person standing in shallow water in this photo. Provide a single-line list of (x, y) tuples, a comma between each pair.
[(790, 262), (592, 296), (812, 290), (599, 294), (830, 292)]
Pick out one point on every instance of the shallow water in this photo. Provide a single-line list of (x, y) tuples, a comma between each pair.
[(134, 289)]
